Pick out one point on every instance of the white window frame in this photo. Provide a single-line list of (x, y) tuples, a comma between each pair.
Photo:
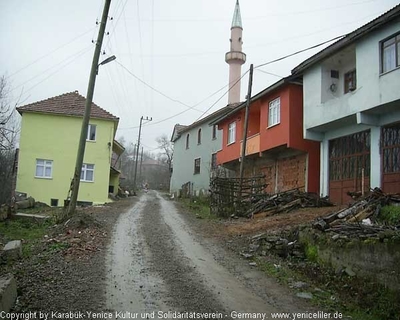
[(232, 132), (85, 171), (390, 53), (274, 112), (44, 164), (90, 126)]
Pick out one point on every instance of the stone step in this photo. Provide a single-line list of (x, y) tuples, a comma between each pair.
[(8, 292)]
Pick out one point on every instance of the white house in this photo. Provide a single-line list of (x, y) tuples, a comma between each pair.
[(195, 153), (351, 95)]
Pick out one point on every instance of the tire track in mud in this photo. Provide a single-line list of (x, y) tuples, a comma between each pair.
[(187, 291)]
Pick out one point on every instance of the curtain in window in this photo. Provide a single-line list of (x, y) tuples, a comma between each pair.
[(389, 58)]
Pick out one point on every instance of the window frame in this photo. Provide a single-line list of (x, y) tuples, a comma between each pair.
[(44, 166), (229, 141), (271, 114), (88, 132), (214, 132), (84, 171), (214, 161), (187, 141), (396, 37), (199, 136), (350, 77), (197, 168)]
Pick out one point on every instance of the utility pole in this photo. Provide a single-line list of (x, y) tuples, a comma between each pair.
[(246, 125), (88, 105), (140, 168), (137, 149)]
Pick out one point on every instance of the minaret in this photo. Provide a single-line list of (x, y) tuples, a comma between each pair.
[(235, 57)]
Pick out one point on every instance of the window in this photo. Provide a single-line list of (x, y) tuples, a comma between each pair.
[(214, 161), (87, 173), (187, 141), (91, 133), (390, 53), (199, 136), (350, 81), (197, 166), (274, 112), (44, 168), (214, 132), (232, 132)]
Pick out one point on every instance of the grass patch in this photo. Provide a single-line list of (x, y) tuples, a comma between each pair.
[(198, 206), (390, 215), (23, 229), (355, 297)]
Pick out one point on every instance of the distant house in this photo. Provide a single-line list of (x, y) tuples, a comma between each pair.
[(195, 150), (352, 107), (275, 145), (50, 131)]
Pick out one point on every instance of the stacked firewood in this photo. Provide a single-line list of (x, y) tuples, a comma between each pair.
[(287, 201), (363, 208)]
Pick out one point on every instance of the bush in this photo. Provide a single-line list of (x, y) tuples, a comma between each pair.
[(390, 215)]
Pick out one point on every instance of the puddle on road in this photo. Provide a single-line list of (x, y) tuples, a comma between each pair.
[(231, 293), (131, 288)]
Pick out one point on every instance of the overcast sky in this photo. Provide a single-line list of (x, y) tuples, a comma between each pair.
[(175, 46)]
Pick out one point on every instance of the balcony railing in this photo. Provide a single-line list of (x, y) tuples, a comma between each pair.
[(252, 145)]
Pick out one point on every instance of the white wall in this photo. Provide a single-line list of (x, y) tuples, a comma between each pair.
[(183, 163), (373, 88)]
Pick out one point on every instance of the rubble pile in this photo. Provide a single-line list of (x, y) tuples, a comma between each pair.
[(364, 210), (283, 246), (287, 201)]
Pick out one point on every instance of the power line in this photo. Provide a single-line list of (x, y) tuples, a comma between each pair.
[(53, 66), (156, 90), (270, 73), (222, 96), (51, 52), (297, 52), (62, 67)]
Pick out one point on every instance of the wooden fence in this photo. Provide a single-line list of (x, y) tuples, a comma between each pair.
[(224, 197)]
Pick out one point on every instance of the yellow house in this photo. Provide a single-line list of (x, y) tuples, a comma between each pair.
[(50, 131)]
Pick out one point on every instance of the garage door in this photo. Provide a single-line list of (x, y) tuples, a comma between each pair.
[(390, 144), (349, 165)]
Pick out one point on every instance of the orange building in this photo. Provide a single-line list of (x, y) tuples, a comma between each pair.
[(275, 144)]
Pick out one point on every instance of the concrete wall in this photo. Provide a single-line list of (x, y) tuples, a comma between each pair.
[(183, 163), (55, 138), (373, 88)]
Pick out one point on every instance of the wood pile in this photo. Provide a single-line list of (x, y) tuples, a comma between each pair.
[(287, 201), (367, 207)]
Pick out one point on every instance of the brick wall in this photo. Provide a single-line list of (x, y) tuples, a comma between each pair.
[(285, 173)]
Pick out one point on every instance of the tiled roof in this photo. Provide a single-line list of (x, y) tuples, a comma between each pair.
[(69, 104)]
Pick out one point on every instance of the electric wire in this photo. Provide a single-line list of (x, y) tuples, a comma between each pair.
[(52, 67), (156, 90), (55, 72), (236, 82), (270, 73), (49, 53), (298, 52)]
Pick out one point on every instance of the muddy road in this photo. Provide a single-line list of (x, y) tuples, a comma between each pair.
[(156, 264)]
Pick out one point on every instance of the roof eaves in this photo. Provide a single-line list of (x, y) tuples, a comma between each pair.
[(262, 93), (348, 39)]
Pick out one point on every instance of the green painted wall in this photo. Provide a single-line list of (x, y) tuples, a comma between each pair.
[(53, 137)]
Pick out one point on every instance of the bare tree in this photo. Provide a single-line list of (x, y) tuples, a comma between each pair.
[(9, 129), (168, 150)]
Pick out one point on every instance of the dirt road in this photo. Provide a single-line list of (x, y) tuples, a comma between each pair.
[(157, 264)]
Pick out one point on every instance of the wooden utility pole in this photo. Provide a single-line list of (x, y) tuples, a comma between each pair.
[(88, 105), (246, 125), (137, 149), (140, 168)]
